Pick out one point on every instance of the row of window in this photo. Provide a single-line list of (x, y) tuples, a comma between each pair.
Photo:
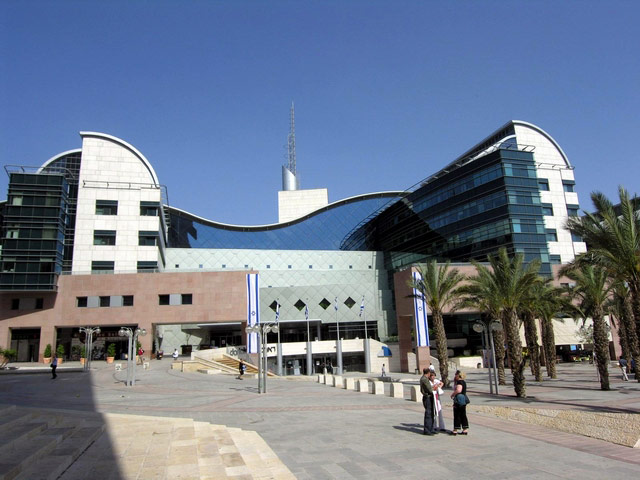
[(572, 210), (102, 266), (110, 207), (567, 185), (268, 266), (552, 236), (146, 238), (120, 300), (27, 303)]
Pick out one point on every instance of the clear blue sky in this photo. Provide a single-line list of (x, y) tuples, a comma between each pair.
[(386, 93)]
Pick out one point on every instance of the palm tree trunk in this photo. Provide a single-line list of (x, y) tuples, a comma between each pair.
[(601, 346), (498, 344), (632, 307), (549, 345), (531, 337), (441, 347), (510, 320)]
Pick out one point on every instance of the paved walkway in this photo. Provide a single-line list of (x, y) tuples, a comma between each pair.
[(321, 432)]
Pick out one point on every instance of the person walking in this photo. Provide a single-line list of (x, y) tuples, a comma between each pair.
[(54, 365), (241, 369), (384, 373), (623, 366), (175, 354), (460, 401), (426, 389)]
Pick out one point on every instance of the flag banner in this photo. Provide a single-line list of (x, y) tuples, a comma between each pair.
[(335, 304), (306, 312), (361, 307), (277, 311), (253, 310), (420, 308)]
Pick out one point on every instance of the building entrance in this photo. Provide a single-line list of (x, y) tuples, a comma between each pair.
[(26, 342)]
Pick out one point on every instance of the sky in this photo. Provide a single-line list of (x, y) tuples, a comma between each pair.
[(386, 92)]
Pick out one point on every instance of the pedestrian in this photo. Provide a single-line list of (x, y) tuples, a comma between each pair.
[(460, 401), (175, 354), (241, 369), (384, 373), (427, 401), (54, 365), (437, 391), (623, 366)]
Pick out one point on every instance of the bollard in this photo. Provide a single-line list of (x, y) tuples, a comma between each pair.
[(349, 383), (337, 381), (378, 387), (397, 390), (363, 385), (416, 396)]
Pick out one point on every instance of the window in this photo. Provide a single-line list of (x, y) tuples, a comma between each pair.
[(576, 238), (81, 302), (187, 299), (105, 301), (127, 300), (163, 299), (568, 185), (39, 303), (552, 235), (554, 259), (547, 209), (147, 238), (106, 207), (102, 267), (268, 266), (104, 237), (543, 184), (149, 209), (146, 267), (572, 211), (15, 303)]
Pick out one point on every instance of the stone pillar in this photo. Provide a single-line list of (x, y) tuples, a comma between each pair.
[(404, 340), (397, 390), (47, 336), (423, 358), (416, 396), (349, 383), (378, 387), (363, 385), (337, 381)]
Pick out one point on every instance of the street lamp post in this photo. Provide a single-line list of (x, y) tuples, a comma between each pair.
[(487, 328), (131, 363), (88, 342), (262, 329)]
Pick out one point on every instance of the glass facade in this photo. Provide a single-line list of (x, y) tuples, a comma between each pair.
[(463, 214), (321, 230)]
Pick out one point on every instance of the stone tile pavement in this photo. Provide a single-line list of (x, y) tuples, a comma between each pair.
[(322, 432)]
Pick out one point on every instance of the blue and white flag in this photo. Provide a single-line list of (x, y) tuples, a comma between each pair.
[(335, 304), (420, 308), (362, 307), (253, 310), (306, 312), (277, 311)]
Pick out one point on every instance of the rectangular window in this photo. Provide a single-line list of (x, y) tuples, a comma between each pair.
[(568, 186), (146, 267), (104, 237), (106, 207), (127, 300), (554, 259), (81, 302), (576, 238), (147, 238), (543, 184), (149, 209), (552, 235), (163, 299), (547, 209), (572, 210), (15, 303), (105, 301), (187, 299), (102, 267), (39, 303)]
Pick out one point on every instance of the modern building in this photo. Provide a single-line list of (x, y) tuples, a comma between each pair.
[(89, 239)]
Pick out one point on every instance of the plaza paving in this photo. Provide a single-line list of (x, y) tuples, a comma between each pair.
[(322, 432)]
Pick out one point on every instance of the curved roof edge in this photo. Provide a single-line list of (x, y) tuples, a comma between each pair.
[(545, 134), (60, 155), (128, 146), (363, 196)]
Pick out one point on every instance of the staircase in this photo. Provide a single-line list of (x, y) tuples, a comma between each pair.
[(234, 362), (52, 444)]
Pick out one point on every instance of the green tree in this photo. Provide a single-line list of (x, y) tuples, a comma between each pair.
[(590, 295), (550, 301), (510, 280), (438, 285), (528, 312), (614, 244)]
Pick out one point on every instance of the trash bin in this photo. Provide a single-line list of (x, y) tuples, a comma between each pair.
[(186, 349)]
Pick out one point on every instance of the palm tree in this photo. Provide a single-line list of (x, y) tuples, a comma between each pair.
[(480, 294), (438, 285), (510, 280), (614, 244), (527, 312), (550, 301), (591, 294)]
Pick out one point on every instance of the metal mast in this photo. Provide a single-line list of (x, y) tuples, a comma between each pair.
[(289, 178)]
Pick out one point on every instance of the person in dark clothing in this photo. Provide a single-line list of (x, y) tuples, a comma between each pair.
[(624, 366), (460, 421), (54, 365), (241, 368), (426, 388)]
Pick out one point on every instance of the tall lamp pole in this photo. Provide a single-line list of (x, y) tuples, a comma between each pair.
[(131, 363), (262, 329), (88, 342), (487, 328)]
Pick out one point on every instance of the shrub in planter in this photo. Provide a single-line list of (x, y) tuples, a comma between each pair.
[(111, 352), (47, 353), (60, 353), (6, 356)]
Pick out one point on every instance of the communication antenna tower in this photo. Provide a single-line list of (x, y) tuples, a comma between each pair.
[(291, 144)]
